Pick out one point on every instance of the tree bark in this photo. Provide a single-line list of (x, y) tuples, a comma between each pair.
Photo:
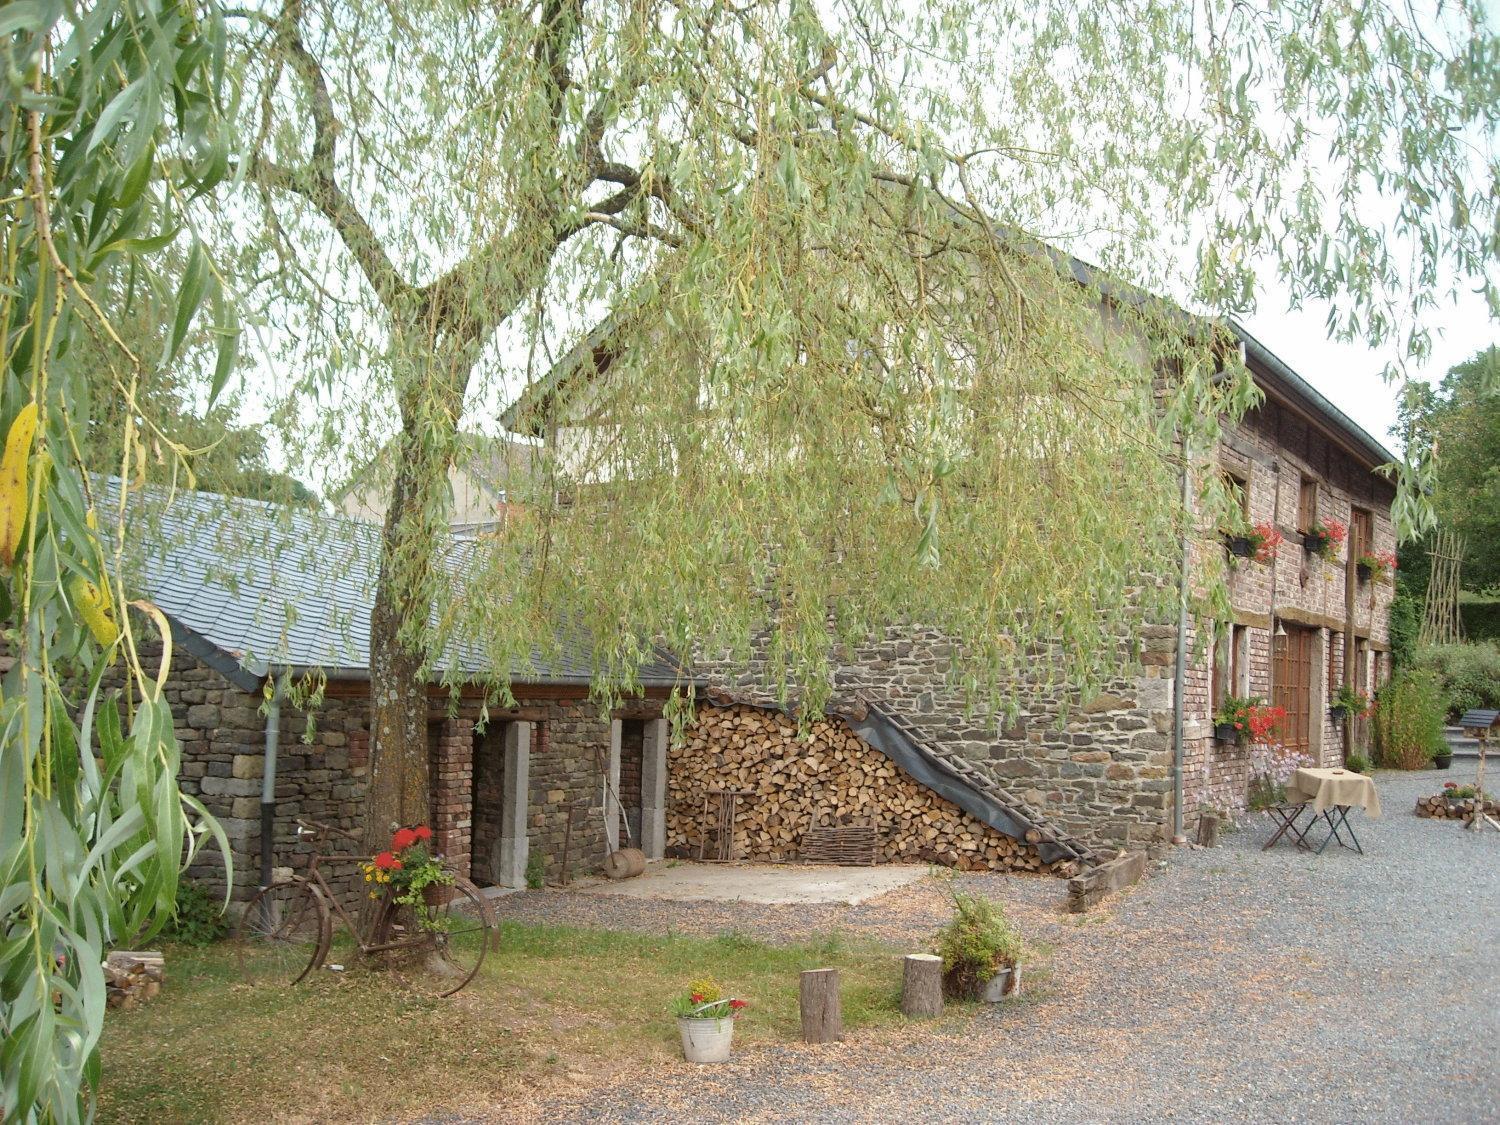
[(822, 1014), (399, 792), (922, 986)]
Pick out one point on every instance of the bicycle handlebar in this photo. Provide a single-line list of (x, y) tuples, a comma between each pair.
[(317, 829)]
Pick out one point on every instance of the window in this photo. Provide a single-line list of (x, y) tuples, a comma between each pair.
[(1231, 668), (1307, 504), (1361, 534), (1238, 488)]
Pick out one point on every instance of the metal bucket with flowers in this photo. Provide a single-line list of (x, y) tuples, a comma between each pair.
[(705, 1021)]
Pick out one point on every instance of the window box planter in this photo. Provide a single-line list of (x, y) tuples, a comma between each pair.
[(1314, 542), (1239, 546), (1225, 734), (1362, 572)]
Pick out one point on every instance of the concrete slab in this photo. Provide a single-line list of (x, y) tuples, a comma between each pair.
[(767, 883)]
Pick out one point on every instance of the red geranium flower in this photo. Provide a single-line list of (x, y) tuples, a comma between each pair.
[(738, 1004), (404, 838), (387, 862), (697, 998), (422, 833)]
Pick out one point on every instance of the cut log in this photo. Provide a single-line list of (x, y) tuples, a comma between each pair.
[(822, 1014), (1208, 829), (922, 986)]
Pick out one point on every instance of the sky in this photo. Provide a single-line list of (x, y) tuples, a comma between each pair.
[(1349, 374)]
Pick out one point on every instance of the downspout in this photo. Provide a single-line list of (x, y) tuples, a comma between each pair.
[(1179, 670), (268, 785)]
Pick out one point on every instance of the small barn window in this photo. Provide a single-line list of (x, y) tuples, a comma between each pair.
[(1307, 504)]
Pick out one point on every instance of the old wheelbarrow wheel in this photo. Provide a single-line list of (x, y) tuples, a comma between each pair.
[(284, 933)]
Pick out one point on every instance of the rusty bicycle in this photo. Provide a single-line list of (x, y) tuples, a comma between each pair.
[(287, 929)]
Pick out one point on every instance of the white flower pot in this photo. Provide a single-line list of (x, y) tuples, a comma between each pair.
[(996, 987), (706, 1041)]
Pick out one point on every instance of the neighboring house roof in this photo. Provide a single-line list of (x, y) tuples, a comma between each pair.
[(249, 586), (591, 356), (487, 472)]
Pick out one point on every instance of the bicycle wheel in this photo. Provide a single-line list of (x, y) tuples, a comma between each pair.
[(284, 933), (447, 946)]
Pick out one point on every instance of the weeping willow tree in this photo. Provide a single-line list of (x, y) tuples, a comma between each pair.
[(110, 125), (864, 380)]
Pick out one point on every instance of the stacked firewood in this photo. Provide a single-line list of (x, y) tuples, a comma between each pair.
[(132, 977), (1440, 807), (831, 779)]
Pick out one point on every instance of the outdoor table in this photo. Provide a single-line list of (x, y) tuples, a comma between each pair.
[(1330, 793)]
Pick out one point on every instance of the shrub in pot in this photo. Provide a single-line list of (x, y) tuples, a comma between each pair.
[(978, 945), (705, 1021)]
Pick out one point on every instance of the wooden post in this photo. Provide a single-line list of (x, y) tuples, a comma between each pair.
[(822, 1016), (922, 986), (1208, 829)]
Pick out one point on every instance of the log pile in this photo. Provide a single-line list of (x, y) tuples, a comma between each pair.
[(832, 779), (1440, 808), (132, 977)]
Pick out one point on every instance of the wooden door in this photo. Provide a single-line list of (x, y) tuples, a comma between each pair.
[(1361, 534), (1291, 686)]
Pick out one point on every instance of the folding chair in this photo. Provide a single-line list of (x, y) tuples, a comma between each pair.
[(1287, 814)]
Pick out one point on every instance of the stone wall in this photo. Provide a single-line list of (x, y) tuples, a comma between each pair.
[(1098, 769), (323, 767)]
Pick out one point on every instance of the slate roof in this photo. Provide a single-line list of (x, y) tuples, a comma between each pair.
[(248, 585)]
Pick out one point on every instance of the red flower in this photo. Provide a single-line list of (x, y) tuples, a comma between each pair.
[(387, 862), (737, 1004), (422, 833), (697, 998), (403, 839), (396, 865)]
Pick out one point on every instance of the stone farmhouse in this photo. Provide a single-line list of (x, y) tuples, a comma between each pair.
[(269, 613), (1124, 768)]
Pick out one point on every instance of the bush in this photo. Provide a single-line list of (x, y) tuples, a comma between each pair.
[(1467, 675), (200, 917), (978, 943), (1409, 722), (1358, 763)]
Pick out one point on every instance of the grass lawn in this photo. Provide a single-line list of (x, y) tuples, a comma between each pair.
[(553, 1004)]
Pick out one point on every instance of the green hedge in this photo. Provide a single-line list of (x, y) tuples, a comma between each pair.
[(1481, 620), (1408, 721), (1467, 675)]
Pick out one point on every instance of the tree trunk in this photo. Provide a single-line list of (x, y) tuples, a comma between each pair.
[(415, 522), (922, 986), (822, 1014)]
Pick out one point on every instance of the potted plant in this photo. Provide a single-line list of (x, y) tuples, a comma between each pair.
[(1349, 702), (705, 1021), (981, 950), (1245, 718), (411, 874), (1442, 759), (1324, 539), (1375, 565), (1259, 543)]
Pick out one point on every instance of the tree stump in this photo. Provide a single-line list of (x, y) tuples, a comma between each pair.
[(922, 986), (822, 1015), (1208, 830)]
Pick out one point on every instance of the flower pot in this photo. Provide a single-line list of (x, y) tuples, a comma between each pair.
[(1442, 761), (437, 894), (1226, 732), (1313, 544), (997, 988), (1362, 572), (706, 1041), (1239, 546)]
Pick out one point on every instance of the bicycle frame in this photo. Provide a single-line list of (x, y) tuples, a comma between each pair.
[(316, 831)]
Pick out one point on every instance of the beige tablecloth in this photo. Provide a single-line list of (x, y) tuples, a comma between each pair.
[(1326, 788)]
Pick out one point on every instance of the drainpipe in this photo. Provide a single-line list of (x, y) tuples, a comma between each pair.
[(268, 785), (1179, 669)]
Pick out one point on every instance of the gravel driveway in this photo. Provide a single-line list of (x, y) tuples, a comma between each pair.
[(1234, 985)]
